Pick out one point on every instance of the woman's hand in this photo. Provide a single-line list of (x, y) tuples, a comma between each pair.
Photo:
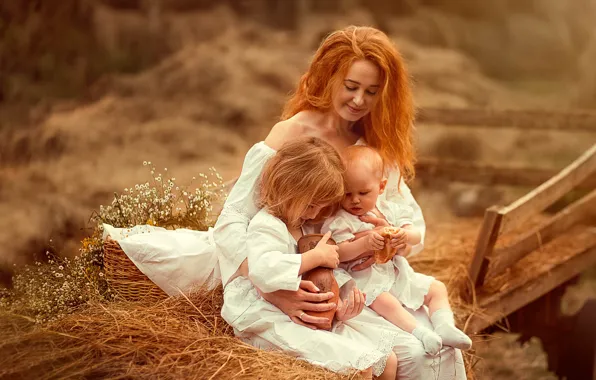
[(351, 306), (328, 254), (295, 304)]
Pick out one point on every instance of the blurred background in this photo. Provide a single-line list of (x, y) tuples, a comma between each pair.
[(89, 89)]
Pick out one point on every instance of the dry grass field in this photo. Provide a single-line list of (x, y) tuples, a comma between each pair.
[(213, 83)]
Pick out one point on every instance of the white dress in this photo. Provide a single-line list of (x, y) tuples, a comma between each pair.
[(229, 236), (395, 276), (273, 262)]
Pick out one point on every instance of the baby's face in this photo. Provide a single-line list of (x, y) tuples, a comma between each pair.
[(363, 187)]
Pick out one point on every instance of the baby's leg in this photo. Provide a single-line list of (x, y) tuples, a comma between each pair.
[(388, 307), (367, 374), (390, 372), (437, 297), (442, 319)]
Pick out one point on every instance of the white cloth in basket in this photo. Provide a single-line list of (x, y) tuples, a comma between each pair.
[(176, 261)]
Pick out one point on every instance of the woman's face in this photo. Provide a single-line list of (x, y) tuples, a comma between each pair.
[(359, 91)]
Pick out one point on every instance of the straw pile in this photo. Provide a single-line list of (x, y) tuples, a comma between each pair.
[(177, 338)]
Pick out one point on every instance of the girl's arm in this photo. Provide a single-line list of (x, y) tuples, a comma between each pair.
[(270, 266)]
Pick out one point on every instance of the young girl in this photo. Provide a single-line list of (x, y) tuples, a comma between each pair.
[(302, 179), (387, 286)]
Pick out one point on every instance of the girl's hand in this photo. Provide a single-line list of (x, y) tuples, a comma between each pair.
[(399, 239), (374, 241), (351, 306), (328, 254)]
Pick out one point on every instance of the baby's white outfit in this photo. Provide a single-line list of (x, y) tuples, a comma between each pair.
[(395, 276)]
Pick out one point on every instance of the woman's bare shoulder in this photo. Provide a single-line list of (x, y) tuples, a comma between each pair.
[(284, 131)]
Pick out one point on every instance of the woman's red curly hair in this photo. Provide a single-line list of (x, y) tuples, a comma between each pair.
[(388, 127)]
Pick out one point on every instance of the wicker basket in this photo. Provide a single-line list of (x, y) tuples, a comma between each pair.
[(125, 279)]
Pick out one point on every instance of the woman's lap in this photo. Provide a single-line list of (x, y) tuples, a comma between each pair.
[(259, 323)]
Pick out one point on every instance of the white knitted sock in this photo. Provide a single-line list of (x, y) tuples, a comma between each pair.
[(444, 325), (430, 340)]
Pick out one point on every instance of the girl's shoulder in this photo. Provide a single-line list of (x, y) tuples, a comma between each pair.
[(264, 218)]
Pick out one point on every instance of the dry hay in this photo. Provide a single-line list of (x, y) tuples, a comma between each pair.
[(176, 338)]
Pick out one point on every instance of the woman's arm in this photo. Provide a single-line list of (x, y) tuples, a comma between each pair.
[(404, 195), (230, 232), (239, 208)]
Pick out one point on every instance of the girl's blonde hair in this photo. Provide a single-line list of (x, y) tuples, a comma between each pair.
[(388, 127), (304, 172)]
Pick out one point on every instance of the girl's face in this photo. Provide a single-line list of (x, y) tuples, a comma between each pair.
[(311, 212), (359, 91)]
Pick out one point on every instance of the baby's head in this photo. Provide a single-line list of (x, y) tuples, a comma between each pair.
[(304, 177), (364, 179)]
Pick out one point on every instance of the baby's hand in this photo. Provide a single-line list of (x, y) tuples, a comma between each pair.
[(399, 239), (328, 254), (374, 241), (377, 222)]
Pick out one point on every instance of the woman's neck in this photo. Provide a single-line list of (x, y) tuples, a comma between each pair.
[(332, 120)]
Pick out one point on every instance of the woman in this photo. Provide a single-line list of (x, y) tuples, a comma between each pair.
[(356, 91)]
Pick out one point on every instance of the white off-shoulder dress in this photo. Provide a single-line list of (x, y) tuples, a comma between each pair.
[(395, 276), (177, 261)]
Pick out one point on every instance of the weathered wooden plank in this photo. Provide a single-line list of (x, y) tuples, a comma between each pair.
[(553, 189), (558, 224), (487, 237), (430, 169), (579, 120), (500, 305)]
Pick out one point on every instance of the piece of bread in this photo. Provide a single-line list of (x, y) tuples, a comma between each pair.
[(384, 255), (323, 279)]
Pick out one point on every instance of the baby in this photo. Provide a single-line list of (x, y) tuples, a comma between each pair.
[(390, 285)]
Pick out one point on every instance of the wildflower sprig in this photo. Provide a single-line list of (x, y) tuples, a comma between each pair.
[(162, 202), (50, 290)]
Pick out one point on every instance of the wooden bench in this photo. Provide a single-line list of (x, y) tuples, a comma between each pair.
[(564, 245)]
